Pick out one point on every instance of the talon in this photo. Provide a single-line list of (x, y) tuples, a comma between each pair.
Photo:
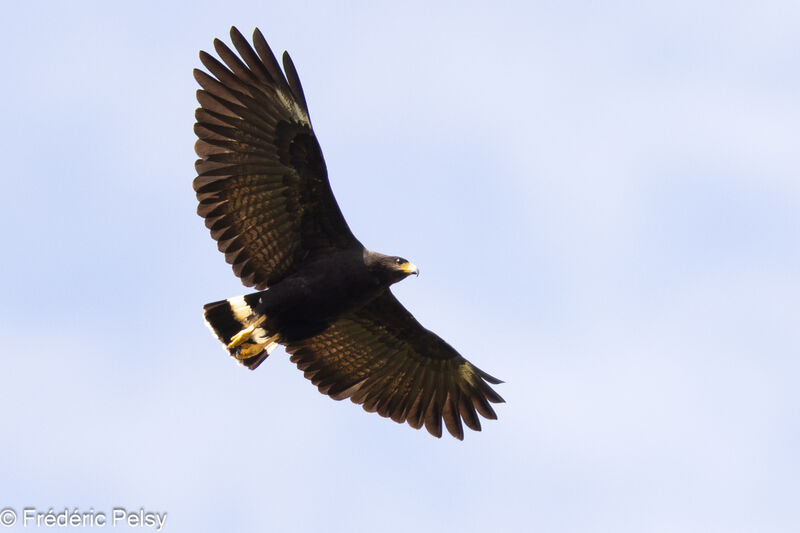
[(249, 350), (243, 335), (252, 349), (240, 337)]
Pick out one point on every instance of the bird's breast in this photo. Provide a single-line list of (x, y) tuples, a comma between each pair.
[(322, 292)]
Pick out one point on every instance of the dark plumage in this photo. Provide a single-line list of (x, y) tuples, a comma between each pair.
[(264, 193)]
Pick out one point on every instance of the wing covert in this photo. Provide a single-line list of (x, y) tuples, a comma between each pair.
[(262, 184)]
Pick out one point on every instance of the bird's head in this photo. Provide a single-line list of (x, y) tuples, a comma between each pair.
[(391, 268)]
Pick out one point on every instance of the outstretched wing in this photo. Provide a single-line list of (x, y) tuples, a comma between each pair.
[(262, 183), (381, 357)]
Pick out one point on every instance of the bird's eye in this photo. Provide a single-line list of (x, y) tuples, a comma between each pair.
[(398, 261)]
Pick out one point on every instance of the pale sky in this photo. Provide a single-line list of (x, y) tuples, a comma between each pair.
[(604, 204)]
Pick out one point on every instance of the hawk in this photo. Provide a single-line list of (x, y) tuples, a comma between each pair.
[(264, 193)]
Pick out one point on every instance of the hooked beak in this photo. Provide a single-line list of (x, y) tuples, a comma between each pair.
[(410, 268)]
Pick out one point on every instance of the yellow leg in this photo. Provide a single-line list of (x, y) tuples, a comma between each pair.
[(249, 350), (243, 335)]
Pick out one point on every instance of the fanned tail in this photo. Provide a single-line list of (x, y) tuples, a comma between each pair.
[(237, 325)]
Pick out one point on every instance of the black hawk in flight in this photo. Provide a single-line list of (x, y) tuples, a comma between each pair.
[(264, 194)]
